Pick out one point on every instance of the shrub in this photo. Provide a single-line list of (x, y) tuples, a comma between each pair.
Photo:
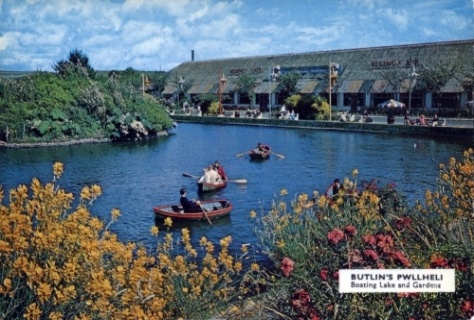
[(59, 263), (309, 241)]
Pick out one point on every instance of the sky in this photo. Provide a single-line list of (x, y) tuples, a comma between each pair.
[(158, 35)]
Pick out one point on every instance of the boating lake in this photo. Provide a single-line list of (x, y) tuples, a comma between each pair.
[(136, 176)]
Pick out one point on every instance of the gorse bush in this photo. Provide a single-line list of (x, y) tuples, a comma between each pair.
[(59, 263), (371, 228)]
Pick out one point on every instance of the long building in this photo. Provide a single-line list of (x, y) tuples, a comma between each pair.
[(424, 76)]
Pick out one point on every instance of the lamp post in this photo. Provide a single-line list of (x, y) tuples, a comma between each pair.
[(272, 76), (332, 80), (222, 81), (180, 87), (412, 76)]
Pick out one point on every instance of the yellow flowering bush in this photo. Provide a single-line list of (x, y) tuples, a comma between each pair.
[(59, 263)]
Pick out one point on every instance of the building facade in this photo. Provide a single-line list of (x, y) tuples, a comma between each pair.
[(422, 76)]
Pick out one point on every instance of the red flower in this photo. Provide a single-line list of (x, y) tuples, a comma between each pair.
[(356, 256), (335, 275), (371, 254), (369, 239), (335, 236), (402, 223), (438, 261), (287, 266), (385, 243), (323, 274), (350, 231), (400, 257), (467, 307), (301, 299)]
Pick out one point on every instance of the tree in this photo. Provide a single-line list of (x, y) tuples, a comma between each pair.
[(288, 83), (77, 64), (245, 83)]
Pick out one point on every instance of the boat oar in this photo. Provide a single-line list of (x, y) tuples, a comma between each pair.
[(205, 214), (190, 176), (241, 154), (278, 155), (238, 180)]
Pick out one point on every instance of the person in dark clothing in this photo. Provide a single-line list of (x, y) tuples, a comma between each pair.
[(189, 205), (333, 189)]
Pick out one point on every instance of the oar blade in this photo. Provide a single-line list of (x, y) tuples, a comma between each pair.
[(190, 175), (239, 180), (241, 154)]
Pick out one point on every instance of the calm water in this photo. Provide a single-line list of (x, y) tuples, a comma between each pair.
[(135, 177)]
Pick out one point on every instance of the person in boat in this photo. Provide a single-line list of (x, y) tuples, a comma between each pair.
[(205, 178), (333, 189), (189, 205), (220, 170), (213, 175), (259, 149)]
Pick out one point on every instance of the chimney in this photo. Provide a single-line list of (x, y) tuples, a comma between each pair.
[(192, 55)]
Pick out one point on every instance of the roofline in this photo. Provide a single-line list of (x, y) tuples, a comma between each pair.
[(424, 44)]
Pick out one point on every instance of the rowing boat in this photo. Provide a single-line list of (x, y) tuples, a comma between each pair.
[(260, 155), (213, 208), (208, 187)]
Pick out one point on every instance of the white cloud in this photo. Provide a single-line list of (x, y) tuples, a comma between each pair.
[(154, 33)]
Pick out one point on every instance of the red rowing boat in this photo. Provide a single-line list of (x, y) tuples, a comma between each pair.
[(213, 208)]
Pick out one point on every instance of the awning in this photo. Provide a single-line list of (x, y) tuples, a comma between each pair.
[(453, 85), (170, 89), (405, 85), (381, 86), (229, 87), (206, 86), (366, 86), (306, 85), (266, 87), (352, 86)]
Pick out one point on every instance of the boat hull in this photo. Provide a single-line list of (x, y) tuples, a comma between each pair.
[(209, 187), (260, 155), (214, 209)]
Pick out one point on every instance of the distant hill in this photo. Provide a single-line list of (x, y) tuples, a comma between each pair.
[(14, 74)]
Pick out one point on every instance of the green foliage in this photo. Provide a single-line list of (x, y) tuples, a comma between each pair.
[(370, 226), (288, 82), (205, 100), (77, 64), (77, 103), (321, 108), (302, 104), (213, 108)]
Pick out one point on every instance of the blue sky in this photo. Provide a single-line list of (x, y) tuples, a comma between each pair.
[(160, 34)]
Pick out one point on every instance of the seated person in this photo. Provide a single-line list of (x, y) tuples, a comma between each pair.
[(421, 120), (189, 205), (435, 120), (220, 170), (259, 148), (333, 189), (213, 175)]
